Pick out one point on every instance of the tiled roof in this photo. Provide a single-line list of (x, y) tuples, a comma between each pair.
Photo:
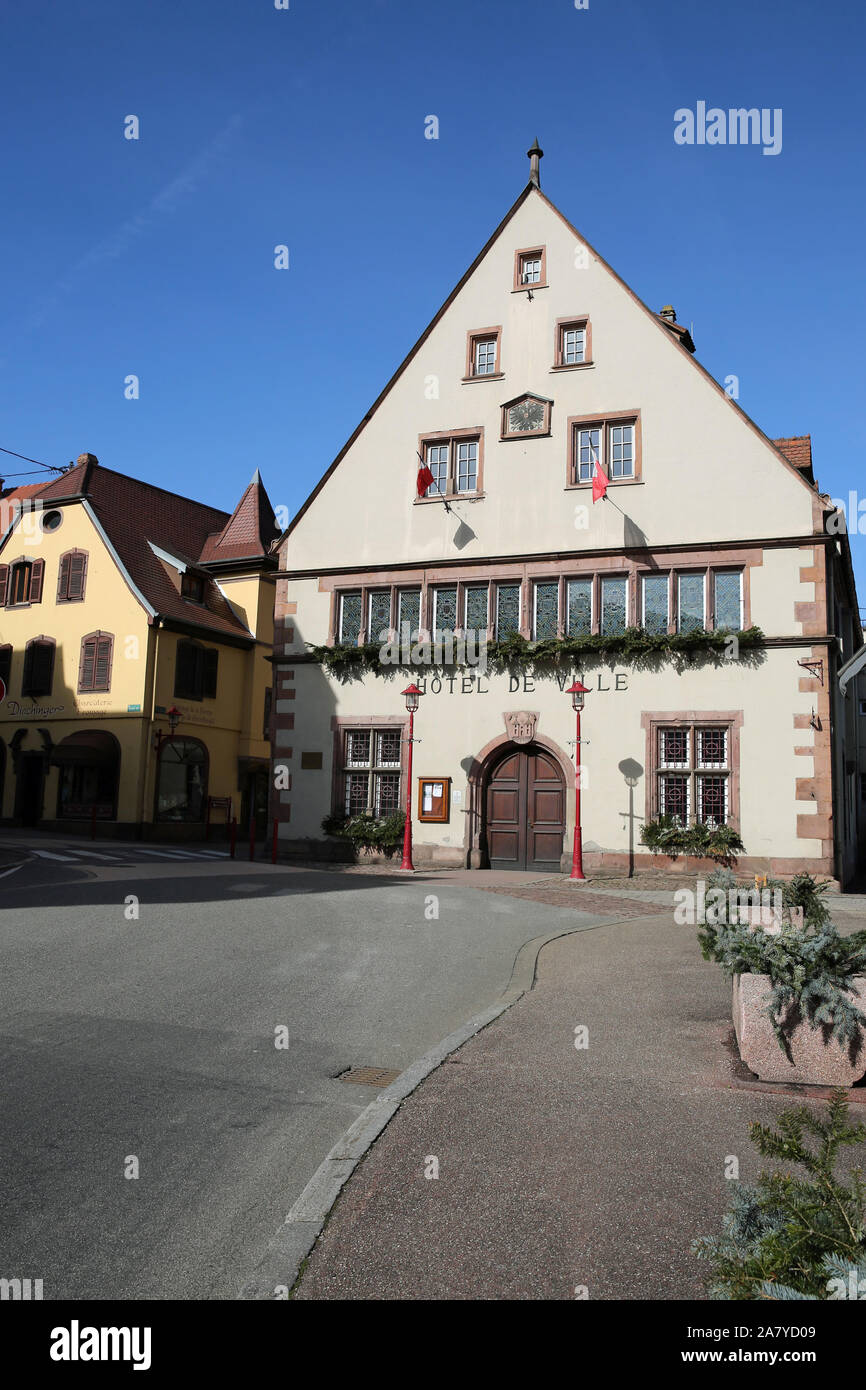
[(134, 513), (798, 450), (249, 532), (11, 499), (25, 490)]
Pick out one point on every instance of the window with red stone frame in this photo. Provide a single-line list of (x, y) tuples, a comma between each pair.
[(692, 773), (371, 772)]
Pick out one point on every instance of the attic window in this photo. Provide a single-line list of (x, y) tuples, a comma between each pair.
[(192, 587), (530, 268)]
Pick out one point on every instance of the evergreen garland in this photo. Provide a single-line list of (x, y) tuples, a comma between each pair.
[(515, 653)]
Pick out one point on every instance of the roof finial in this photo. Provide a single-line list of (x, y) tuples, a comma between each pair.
[(535, 155)]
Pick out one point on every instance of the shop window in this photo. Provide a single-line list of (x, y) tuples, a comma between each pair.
[(89, 767), (182, 780)]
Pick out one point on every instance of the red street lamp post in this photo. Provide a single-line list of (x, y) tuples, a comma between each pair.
[(412, 695), (578, 693)]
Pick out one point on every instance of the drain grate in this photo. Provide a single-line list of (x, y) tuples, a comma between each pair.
[(369, 1076)]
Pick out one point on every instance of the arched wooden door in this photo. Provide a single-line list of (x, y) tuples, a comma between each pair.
[(525, 811)]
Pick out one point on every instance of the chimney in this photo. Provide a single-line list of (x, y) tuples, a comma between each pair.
[(669, 313), (87, 458)]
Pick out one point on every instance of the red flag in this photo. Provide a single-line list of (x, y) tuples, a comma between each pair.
[(425, 478), (599, 482)]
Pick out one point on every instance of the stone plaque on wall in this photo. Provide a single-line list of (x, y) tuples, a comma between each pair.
[(520, 725)]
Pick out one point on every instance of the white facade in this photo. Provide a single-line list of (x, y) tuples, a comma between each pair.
[(701, 492)]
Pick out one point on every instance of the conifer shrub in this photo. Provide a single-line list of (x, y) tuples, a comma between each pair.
[(795, 1236), (369, 834), (811, 966), (667, 835)]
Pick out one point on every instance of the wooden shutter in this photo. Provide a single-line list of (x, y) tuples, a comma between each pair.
[(37, 575), (185, 684), (5, 663), (209, 680), (88, 663), (63, 577), (4, 583), (77, 573), (38, 668), (102, 672)]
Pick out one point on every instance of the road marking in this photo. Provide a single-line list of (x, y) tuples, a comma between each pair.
[(46, 854), (13, 870)]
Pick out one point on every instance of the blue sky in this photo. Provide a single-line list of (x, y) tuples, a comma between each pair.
[(306, 127)]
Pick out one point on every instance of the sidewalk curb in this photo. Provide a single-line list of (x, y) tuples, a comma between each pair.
[(278, 1270)]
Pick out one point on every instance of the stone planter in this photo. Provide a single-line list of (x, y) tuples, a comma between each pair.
[(816, 1062)]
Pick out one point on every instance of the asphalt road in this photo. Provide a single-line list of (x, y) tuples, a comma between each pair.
[(148, 1045)]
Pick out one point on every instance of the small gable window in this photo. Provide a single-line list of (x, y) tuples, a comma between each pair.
[(195, 672), (38, 676), (482, 353), (71, 576), (573, 343), (94, 671), (530, 268)]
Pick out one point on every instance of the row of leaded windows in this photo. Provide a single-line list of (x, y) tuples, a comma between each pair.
[(693, 774), (655, 612), (467, 607), (371, 771)]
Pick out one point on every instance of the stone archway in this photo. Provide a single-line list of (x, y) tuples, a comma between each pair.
[(478, 777)]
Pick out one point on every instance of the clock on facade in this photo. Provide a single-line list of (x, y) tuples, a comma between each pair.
[(527, 415)]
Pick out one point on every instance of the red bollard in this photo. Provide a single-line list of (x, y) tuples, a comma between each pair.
[(274, 841), (252, 837), (93, 822), (233, 835)]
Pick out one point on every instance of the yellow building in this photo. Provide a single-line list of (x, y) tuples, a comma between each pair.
[(136, 631)]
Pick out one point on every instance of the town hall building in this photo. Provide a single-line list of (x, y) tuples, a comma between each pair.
[(551, 465)]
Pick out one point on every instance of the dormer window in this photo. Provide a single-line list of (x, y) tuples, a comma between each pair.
[(530, 268), (192, 587)]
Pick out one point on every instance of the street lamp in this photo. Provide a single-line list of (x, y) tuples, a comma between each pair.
[(174, 717), (578, 693), (412, 695)]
